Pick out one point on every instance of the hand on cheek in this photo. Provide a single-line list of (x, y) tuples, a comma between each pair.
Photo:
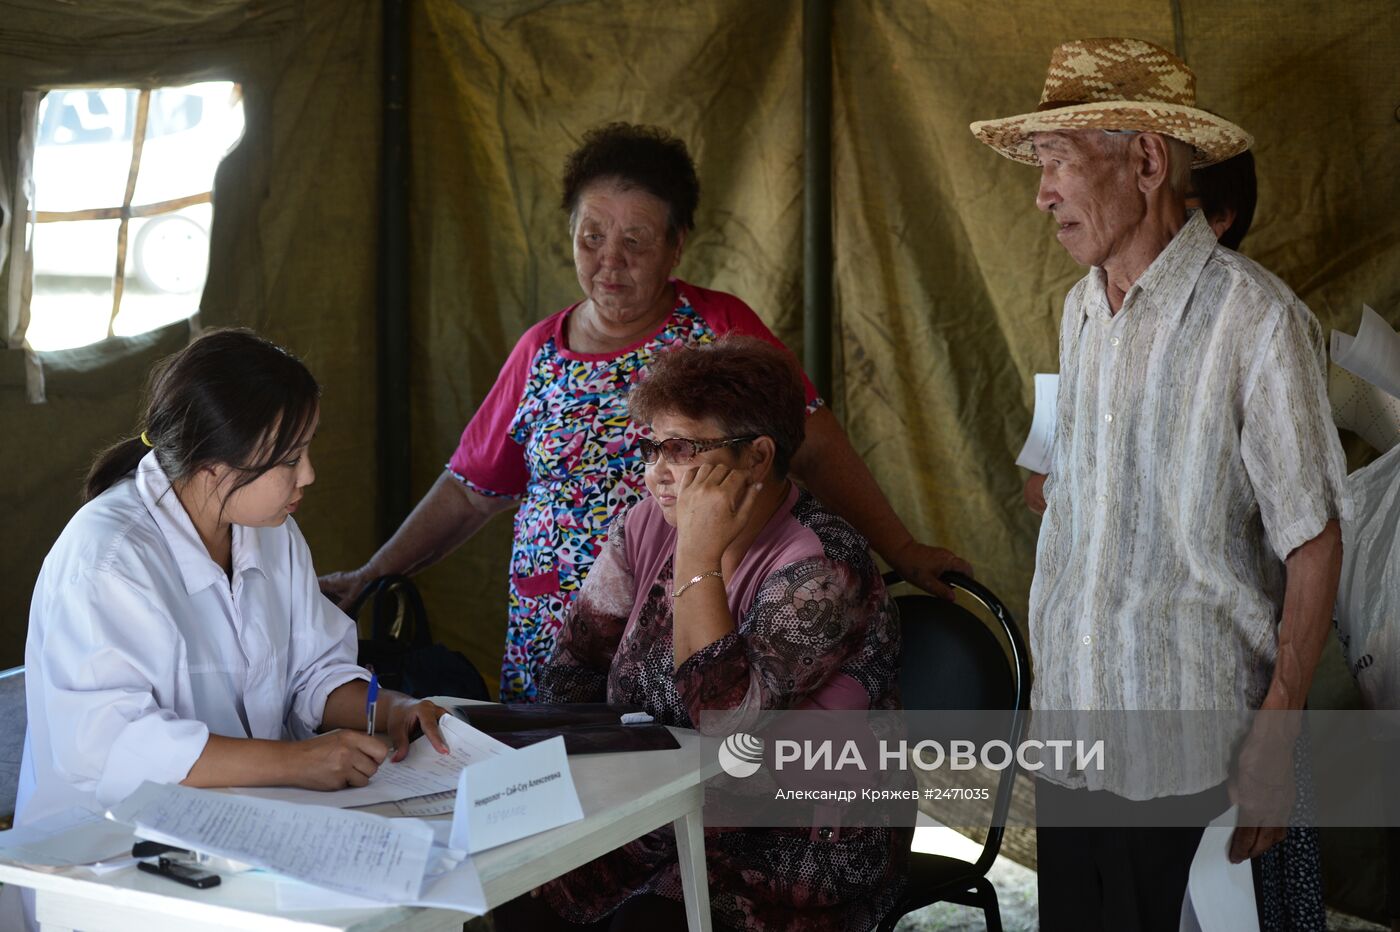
[(713, 504)]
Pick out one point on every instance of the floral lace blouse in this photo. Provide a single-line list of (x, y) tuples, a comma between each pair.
[(810, 606)]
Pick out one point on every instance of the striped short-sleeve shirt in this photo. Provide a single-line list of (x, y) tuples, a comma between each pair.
[(1194, 450)]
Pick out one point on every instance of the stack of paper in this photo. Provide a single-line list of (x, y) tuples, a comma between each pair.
[(354, 852), (335, 857)]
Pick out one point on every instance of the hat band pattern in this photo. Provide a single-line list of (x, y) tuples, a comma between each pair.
[(1123, 84)]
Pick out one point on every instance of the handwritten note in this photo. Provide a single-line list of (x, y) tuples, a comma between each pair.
[(1040, 442), (514, 795), (353, 852), (456, 886)]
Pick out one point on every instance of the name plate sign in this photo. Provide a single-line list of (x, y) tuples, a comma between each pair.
[(514, 795)]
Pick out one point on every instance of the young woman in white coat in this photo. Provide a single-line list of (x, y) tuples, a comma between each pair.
[(176, 632)]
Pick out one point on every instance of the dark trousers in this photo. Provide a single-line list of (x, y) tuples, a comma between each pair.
[(1117, 879), (1392, 874)]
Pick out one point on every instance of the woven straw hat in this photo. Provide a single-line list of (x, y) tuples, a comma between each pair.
[(1124, 84)]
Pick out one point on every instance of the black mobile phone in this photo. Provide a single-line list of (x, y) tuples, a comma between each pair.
[(181, 873), (150, 849)]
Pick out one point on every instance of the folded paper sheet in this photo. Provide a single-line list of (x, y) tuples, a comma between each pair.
[(514, 796), (1219, 894)]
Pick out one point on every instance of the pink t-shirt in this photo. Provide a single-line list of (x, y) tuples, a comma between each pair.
[(555, 432), (491, 460)]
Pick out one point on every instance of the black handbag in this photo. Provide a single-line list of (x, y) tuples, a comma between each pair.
[(401, 649)]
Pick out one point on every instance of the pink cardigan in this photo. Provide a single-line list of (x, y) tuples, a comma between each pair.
[(651, 541)]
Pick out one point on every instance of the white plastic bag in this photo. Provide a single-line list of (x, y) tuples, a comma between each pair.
[(1368, 597)]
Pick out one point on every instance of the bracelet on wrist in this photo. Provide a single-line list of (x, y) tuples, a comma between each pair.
[(695, 579)]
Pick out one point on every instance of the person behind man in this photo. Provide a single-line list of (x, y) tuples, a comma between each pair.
[(1190, 551), (1227, 193)]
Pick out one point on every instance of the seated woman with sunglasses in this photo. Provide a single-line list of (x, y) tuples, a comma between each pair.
[(729, 588)]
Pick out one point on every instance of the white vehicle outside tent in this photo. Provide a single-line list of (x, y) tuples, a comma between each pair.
[(82, 161)]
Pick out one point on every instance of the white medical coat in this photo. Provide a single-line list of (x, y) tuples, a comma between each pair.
[(140, 647)]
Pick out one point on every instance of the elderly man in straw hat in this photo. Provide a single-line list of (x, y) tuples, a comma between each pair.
[(1190, 550)]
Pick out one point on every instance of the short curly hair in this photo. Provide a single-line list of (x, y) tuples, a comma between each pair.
[(747, 385), (646, 157)]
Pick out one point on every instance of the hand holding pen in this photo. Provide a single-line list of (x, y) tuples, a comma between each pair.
[(347, 756), (372, 702)]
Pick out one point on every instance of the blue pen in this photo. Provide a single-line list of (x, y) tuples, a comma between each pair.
[(371, 698)]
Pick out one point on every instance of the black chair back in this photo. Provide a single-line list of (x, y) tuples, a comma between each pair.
[(952, 660)]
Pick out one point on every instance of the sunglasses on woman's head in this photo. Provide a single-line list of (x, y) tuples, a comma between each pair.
[(679, 450)]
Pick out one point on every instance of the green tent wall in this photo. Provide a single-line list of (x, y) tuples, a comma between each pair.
[(947, 281)]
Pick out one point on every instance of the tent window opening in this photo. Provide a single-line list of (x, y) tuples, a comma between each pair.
[(122, 206)]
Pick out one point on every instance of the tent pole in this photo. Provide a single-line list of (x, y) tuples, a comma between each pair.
[(816, 193), (1179, 29), (392, 325)]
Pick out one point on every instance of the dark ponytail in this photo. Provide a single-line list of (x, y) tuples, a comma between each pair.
[(230, 397), (116, 462)]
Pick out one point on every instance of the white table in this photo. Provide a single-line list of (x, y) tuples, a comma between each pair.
[(624, 796)]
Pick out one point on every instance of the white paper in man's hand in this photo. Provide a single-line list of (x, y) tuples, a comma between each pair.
[(1040, 442), (1219, 894)]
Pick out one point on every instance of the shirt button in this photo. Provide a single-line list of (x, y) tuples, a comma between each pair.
[(1108, 417), (1087, 639), (1115, 341), (1103, 499), (824, 833)]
